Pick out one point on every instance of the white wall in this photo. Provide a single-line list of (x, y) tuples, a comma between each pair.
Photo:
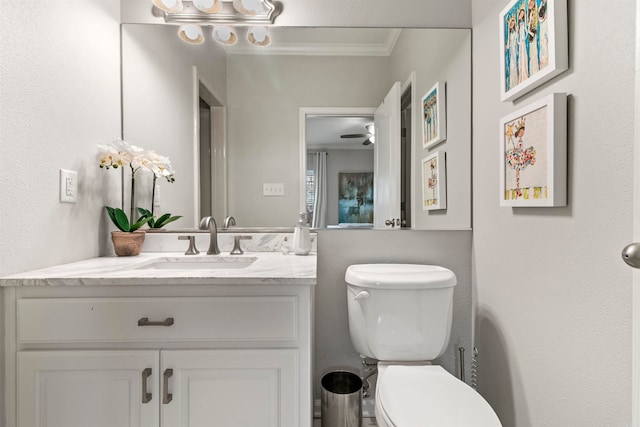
[(158, 109), (59, 97), (445, 57), (553, 321), (264, 95)]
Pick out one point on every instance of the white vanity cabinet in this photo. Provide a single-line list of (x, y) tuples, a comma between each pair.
[(170, 356)]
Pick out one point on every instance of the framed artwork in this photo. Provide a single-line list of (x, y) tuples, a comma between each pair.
[(355, 197), (533, 45), (434, 187), (533, 154), (434, 116)]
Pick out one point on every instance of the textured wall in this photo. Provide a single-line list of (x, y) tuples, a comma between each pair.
[(59, 97), (553, 321)]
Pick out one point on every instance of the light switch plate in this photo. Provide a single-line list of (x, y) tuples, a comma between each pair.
[(273, 189), (68, 186)]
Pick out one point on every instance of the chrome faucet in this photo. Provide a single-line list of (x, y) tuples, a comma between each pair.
[(228, 221), (209, 223)]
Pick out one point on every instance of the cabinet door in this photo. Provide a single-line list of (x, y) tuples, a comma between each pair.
[(88, 388), (231, 388)]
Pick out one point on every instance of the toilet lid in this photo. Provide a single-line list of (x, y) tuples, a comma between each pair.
[(428, 396)]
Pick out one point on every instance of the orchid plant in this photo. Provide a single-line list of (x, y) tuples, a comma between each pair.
[(120, 154)]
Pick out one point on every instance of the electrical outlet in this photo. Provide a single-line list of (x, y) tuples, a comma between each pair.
[(273, 189), (68, 186)]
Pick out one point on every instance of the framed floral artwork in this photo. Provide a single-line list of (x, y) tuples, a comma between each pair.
[(434, 187), (434, 116), (533, 45), (533, 154)]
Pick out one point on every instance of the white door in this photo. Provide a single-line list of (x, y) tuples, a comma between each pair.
[(386, 171), (88, 388), (230, 388)]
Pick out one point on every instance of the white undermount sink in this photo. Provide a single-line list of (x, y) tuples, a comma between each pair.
[(198, 263)]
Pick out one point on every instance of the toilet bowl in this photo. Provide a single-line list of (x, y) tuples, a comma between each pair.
[(428, 396), (400, 315)]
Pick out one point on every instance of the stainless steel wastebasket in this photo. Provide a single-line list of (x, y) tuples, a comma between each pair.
[(341, 400)]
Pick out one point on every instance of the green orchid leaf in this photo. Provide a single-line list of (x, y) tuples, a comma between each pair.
[(167, 220), (122, 222), (145, 212), (119, 218), (142, 221), (160, 221)]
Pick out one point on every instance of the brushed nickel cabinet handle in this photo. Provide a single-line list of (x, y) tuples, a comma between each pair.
[(166, 396), (146, 396), (145, 322)]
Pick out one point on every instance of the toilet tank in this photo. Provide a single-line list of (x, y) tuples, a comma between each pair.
[(400, 312)]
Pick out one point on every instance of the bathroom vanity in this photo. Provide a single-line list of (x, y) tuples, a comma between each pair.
[(159, 340)]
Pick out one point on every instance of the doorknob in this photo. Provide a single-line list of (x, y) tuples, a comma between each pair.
[(631, 254)]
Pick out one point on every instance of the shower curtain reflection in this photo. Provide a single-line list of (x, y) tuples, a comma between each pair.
[(317, 189)]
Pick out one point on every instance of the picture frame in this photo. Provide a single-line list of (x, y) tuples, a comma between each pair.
[(434, 115), (355, 197), (434, 186), (533, 154), (533, 45)]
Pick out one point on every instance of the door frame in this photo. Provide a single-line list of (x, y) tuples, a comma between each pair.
[(635, 340), (218, 145)]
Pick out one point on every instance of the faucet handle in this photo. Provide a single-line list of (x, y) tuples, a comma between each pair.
[(237, 250), (192, 245)]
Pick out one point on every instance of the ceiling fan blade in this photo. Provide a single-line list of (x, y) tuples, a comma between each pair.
[(367, 142), (356, 135)]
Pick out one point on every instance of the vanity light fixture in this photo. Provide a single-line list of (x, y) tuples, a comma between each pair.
[(225, 35), (191, 33), (224, 15)]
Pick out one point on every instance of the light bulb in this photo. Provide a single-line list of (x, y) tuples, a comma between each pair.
[(259, 36), (225, 34), (248, 7), (208, 6), (191, 33), (169, 6)]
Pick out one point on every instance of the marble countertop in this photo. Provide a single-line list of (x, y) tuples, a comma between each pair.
[(268, 268)]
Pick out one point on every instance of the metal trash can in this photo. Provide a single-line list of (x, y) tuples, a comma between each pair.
[(341, 400)]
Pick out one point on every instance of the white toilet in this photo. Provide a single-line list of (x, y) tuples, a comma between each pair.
[(400, 315)]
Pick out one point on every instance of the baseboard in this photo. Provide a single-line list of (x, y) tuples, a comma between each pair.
[(367, 408)]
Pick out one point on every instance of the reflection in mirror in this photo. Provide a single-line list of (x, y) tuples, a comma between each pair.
[(260, 92), (339, 171)]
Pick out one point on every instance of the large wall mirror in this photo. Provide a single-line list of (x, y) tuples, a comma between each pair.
[(230, 118)]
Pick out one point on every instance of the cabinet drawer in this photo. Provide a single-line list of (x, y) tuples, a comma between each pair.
[(249, 319)]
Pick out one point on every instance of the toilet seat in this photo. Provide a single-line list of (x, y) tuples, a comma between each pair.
[(428, 396)]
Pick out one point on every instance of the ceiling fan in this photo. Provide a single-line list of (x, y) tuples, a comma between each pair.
[(370, 135)]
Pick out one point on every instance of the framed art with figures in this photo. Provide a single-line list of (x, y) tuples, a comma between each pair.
[(533, 45)]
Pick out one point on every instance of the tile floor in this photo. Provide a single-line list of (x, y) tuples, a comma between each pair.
[(366, 422)]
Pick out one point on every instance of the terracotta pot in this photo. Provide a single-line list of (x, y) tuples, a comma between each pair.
[(127, 244)]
